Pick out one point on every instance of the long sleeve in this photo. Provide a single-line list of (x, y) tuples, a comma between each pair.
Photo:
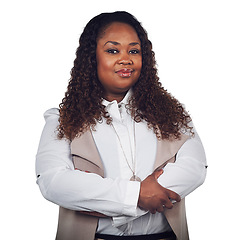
[(76, 190), (183, 176), (189, 170)]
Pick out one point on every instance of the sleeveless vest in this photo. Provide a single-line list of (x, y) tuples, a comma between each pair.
[(74, 225)]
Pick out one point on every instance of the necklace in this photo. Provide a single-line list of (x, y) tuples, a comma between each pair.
[(133, 168)]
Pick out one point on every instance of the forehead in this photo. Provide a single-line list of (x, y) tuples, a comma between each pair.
[(118, 31)]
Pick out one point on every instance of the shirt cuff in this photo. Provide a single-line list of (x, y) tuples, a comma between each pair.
[(130, 210), (121, 220), (131, 198)]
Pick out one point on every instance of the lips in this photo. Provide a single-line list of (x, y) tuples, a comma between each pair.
[(125, 72)]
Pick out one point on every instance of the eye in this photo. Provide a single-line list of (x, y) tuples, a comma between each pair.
[(112, 51), (134, 51)]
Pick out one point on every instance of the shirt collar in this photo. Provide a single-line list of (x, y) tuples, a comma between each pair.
[(106, 103)]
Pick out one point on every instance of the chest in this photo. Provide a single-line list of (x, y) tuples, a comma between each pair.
[(125, 147)]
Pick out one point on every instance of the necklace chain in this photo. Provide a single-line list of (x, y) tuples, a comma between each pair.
[(133, 155)]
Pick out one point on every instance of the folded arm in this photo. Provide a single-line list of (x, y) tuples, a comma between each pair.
[(60, 183), (189, 170), (175, 180)]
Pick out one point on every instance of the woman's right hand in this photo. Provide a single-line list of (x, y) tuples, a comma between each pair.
[(153, 197)]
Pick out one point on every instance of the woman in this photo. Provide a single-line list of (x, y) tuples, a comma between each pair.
[(125, 154)]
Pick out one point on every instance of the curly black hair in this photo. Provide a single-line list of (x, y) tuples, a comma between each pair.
[(82, 108)]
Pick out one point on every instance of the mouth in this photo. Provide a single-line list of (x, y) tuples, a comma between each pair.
[(125, 72)]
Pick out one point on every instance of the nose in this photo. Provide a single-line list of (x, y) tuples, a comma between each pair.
[(125, 60)]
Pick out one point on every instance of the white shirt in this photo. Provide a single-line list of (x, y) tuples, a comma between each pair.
[(115, 195)]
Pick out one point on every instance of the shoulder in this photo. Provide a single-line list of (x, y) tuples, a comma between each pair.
[(51, 117), (52, 113)]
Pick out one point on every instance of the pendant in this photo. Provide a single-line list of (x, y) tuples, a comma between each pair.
[(135, 178)]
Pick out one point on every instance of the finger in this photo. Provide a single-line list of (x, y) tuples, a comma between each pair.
[(153, 211), (174, 196), (160, 209), (168, 204), (157, 173)]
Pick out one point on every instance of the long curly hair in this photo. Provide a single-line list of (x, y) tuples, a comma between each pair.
[(81, 108)]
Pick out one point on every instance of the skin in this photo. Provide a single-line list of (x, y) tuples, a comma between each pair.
[(120, 48), (119, 60), (153, 197)]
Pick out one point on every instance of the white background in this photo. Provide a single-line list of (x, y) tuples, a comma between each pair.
[(197, 46)]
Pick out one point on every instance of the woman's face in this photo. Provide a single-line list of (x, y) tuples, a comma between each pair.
[(119, 60)]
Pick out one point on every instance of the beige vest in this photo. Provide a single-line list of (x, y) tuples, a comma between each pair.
[(73, 225)]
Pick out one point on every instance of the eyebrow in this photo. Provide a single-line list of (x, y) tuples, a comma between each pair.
[(117, 43)]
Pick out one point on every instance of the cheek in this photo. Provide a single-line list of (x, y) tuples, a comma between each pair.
[(103, 65), (138, 62), (139, 65)]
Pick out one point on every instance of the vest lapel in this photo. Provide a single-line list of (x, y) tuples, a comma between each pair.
[(85, 154), (176, 217), (73, 225), (166, 151)]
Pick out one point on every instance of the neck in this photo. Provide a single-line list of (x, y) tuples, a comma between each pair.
[(117, 97)]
